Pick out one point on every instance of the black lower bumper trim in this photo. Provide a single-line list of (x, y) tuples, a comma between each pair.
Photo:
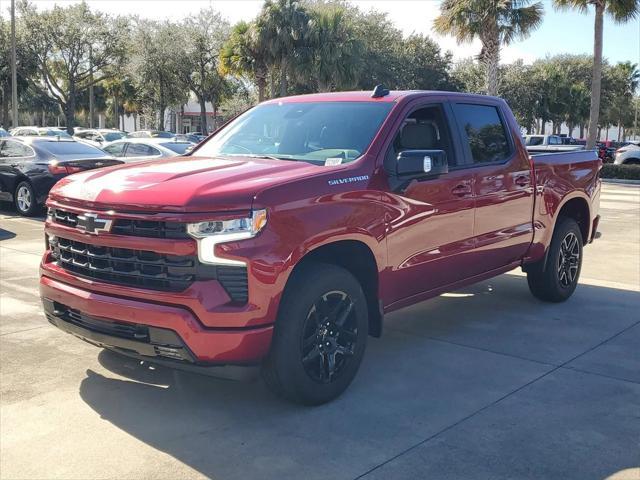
[(142, 340)]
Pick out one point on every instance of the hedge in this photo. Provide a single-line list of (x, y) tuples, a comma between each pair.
[(625, 172)]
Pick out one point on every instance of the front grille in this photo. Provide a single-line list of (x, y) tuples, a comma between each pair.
[(145, 269), (138, 268), (121, 226)]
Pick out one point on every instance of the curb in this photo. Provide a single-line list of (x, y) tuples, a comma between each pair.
[(620, 181)]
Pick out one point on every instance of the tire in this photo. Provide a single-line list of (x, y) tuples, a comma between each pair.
[(305, 346), (556, 280), (632, 161), (25, 199)]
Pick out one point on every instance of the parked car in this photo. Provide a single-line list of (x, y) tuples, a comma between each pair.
[(150, 134), (284, 238), (136, 149), (30, 166), (99, 137), (40, 132), (627, 155), (4, 133), (548, 143), (190, 137)]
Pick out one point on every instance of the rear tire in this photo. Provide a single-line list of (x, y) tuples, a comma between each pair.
[(556, 280), (25, 199), (320, 335)]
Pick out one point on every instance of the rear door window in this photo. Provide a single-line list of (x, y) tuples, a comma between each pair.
[(11, 149), (141, 150), (485, 132), (116, 149)]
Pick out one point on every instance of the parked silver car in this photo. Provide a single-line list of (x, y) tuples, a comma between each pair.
[(99, 137), (136, 149), (628, 155)]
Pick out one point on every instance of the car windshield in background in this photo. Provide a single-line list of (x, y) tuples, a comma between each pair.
[(113, 136), (70, 148), (54, 133), (178, 147), (308, 131), (534, 141)]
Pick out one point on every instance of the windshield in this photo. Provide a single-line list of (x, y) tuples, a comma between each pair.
[(312, 132), (178, 147), (54, 133), (112, 136), (70, 148)]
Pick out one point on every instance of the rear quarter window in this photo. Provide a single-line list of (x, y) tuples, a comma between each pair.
[(485, 132)]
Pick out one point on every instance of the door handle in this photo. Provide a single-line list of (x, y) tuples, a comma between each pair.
[(522, 181), (461, 190)]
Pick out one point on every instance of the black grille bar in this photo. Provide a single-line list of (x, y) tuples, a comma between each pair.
[(121, 226)]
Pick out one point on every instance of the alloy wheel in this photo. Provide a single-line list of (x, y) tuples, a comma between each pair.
[(329, 336), (569, 260), (24, 198)]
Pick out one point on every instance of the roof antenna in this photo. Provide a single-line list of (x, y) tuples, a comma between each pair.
[(380, 91)]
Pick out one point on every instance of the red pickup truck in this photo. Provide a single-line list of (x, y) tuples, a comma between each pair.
[(285, 237)]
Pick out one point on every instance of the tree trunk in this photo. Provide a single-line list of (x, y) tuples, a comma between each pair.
[(596, 79), (5, 111), (620, 128), (115, 112), (283, 76), (203, 114), (543, 126), (582, 130), (262, 86), (70, 111), (491, 60)]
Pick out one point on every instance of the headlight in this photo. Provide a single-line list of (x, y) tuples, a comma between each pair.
[(210, 233)]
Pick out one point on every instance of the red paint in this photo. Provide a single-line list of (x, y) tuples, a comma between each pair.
[(437, 235)]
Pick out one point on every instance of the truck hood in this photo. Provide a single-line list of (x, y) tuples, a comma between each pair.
[(179, 184)]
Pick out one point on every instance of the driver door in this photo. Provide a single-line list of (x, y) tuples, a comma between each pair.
[(430, 227)]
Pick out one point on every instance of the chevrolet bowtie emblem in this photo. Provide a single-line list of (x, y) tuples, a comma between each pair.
[(90, 223)]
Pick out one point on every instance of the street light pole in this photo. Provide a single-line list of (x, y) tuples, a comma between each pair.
[(14, 74)]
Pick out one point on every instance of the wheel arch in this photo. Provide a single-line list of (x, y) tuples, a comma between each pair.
[(357, 258), (578, 209)]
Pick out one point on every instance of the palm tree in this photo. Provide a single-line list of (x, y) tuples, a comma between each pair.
[(332, 51), (246, 53), (283, 24), (494, 22), (621, 11)]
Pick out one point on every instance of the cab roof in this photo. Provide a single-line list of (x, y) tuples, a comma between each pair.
[(365, 96)]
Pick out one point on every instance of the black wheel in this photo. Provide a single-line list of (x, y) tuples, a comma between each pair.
[(320, 335), (556, 280), (25, 199)]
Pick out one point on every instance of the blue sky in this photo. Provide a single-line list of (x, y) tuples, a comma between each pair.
[(561, 32)]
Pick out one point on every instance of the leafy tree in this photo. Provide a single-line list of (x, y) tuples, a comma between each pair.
[(204, 35), (156, 65), (468, 74), (422, 66), (246, 54), (73, 47), (621, 11), (494, 22)]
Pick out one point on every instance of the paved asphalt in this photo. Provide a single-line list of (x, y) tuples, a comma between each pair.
[(486, 382)]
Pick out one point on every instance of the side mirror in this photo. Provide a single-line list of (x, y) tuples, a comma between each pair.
[(421, 164)]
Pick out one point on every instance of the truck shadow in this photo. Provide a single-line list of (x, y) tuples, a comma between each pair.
[(436, 363)]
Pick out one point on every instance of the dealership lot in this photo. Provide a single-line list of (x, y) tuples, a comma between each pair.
[(486, 382)]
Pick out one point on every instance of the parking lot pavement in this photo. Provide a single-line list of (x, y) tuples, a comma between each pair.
[(486, 382)]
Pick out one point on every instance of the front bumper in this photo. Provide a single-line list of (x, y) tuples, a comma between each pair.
[(149, 329)]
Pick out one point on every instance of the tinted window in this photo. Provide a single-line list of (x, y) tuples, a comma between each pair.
[(113, 136), (141, 150), (307, 131), (537, 140), (554, 141), (12, 149), (70, 148), (178, 147), (486, 134), (115, 149), (424, 129)]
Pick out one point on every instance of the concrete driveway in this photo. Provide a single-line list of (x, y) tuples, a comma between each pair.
[(486, 382)]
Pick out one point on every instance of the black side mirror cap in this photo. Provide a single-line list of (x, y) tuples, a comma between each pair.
[(421, 164)]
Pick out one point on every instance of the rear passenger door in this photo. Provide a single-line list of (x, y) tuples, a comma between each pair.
[(13, 156), (502, 185)]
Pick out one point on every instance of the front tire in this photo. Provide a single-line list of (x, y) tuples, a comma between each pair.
[(557, 279), (320, 335), (25, 199)]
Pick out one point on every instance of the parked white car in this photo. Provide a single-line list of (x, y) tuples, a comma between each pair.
[(136, 149), (98, 137), (627, 155), (548, 144)]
